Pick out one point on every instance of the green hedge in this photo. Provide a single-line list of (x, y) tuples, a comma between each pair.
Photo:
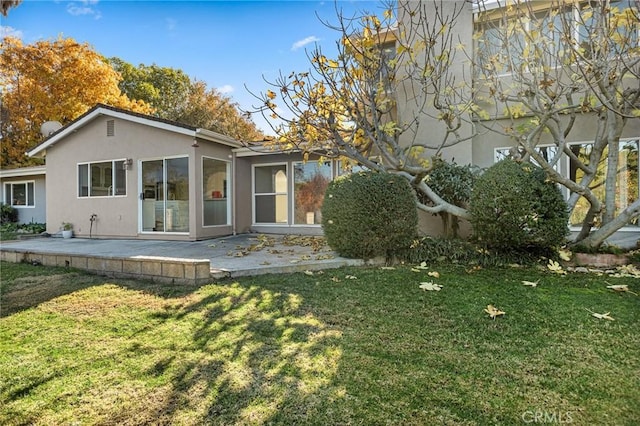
[(369, 214), (514, 207)]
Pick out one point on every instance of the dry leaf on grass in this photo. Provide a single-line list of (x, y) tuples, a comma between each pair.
[(307, 272), (601, 316), (351, 277), (555, 267), (622, 288), (493, 311), (434, 274), (531, 283), (565, 254), (429, 286)]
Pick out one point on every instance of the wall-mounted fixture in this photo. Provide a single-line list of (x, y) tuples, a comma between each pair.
[(126, 164), (195, 143)]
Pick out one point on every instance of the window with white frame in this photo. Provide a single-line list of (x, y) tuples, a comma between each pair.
[(102, 179), (19, 194), (548, 152), (215, 192), (270, 194), (310, 181), (627, 187), (501, 43)]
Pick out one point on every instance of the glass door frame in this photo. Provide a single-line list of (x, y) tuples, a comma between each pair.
[(142, 196)]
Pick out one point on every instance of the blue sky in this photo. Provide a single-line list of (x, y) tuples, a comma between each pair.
[(227, 44)]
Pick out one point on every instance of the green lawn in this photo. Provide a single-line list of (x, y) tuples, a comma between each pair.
[(349, 346)]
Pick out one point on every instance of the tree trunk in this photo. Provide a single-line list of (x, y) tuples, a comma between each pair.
[(597, 237)]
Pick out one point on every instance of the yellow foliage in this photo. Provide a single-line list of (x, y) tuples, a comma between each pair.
[(52, 80)]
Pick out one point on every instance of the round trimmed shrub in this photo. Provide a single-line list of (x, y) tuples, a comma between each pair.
[(369, 214), (514, 207)]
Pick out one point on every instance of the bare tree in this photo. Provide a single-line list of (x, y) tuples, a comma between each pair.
[(555, 72), (395, 97)]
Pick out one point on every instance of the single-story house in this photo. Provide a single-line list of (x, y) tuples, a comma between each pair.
[(114, 173), (24, 189)]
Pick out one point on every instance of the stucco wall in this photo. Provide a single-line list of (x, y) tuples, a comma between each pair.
[(118, 216), (27, 214)]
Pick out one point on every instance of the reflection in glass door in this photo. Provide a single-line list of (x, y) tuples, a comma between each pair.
[(164, 195)]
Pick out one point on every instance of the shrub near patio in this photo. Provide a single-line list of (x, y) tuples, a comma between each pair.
[(369, 214)]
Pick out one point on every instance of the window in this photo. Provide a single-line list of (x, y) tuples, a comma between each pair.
[(19, 194), (627, 190), (215, 192), (270, 194), (103, 179), (548, 152), (310, 181)]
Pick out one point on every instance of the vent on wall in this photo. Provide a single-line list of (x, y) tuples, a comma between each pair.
[(111, 127)]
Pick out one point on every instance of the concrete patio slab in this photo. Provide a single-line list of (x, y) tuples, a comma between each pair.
[(232, 256)]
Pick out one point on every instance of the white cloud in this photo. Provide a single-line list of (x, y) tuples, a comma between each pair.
[(301, 43), (227, 88), (9, 32), (84, 7)]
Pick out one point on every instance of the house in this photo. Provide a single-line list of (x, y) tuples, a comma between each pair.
[(24, 189), (478, 28), (113, 173)]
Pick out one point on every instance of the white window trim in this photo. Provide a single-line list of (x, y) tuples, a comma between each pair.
[(253, 194), (20, 182), (626, 228), (229, 192), (113, 170)]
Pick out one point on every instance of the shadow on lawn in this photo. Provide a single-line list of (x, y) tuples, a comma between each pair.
[(27, 286), (217, 354), (253, 357)]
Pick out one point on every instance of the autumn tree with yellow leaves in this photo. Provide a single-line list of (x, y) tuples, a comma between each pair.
[(50, 80), (391, 75)]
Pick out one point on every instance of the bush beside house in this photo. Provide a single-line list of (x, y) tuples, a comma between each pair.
[(514, 207), (369, 214)]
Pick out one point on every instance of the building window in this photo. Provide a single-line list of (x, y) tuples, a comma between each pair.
[(215, 192), (627, 188), (19, 194), (548, 152), (102, 179), (310, 180), (270, 194)]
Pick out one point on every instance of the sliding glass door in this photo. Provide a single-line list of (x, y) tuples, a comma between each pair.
[(164, 196)]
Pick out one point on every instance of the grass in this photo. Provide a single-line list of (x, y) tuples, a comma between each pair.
[(318, 349)]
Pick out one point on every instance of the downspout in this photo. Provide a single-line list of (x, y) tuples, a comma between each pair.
[(233, 193)]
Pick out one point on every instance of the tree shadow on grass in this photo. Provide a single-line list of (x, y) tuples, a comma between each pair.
[(25, 286), (214, 354), (259, 359)]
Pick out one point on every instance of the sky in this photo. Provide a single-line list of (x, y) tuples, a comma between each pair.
[(231, 45)]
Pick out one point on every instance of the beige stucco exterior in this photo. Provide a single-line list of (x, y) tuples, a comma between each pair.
[(136, 140), (37, 213)]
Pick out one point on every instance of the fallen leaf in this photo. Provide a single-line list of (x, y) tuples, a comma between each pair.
[(387, 268), (555, 267), (423, 265), (565, 254), (307, 272), (493, 311), (621, 288), (335, 279), (531, 283), (434, 274), (429, 286), (351, 277), (473, 269), (601, 316)]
